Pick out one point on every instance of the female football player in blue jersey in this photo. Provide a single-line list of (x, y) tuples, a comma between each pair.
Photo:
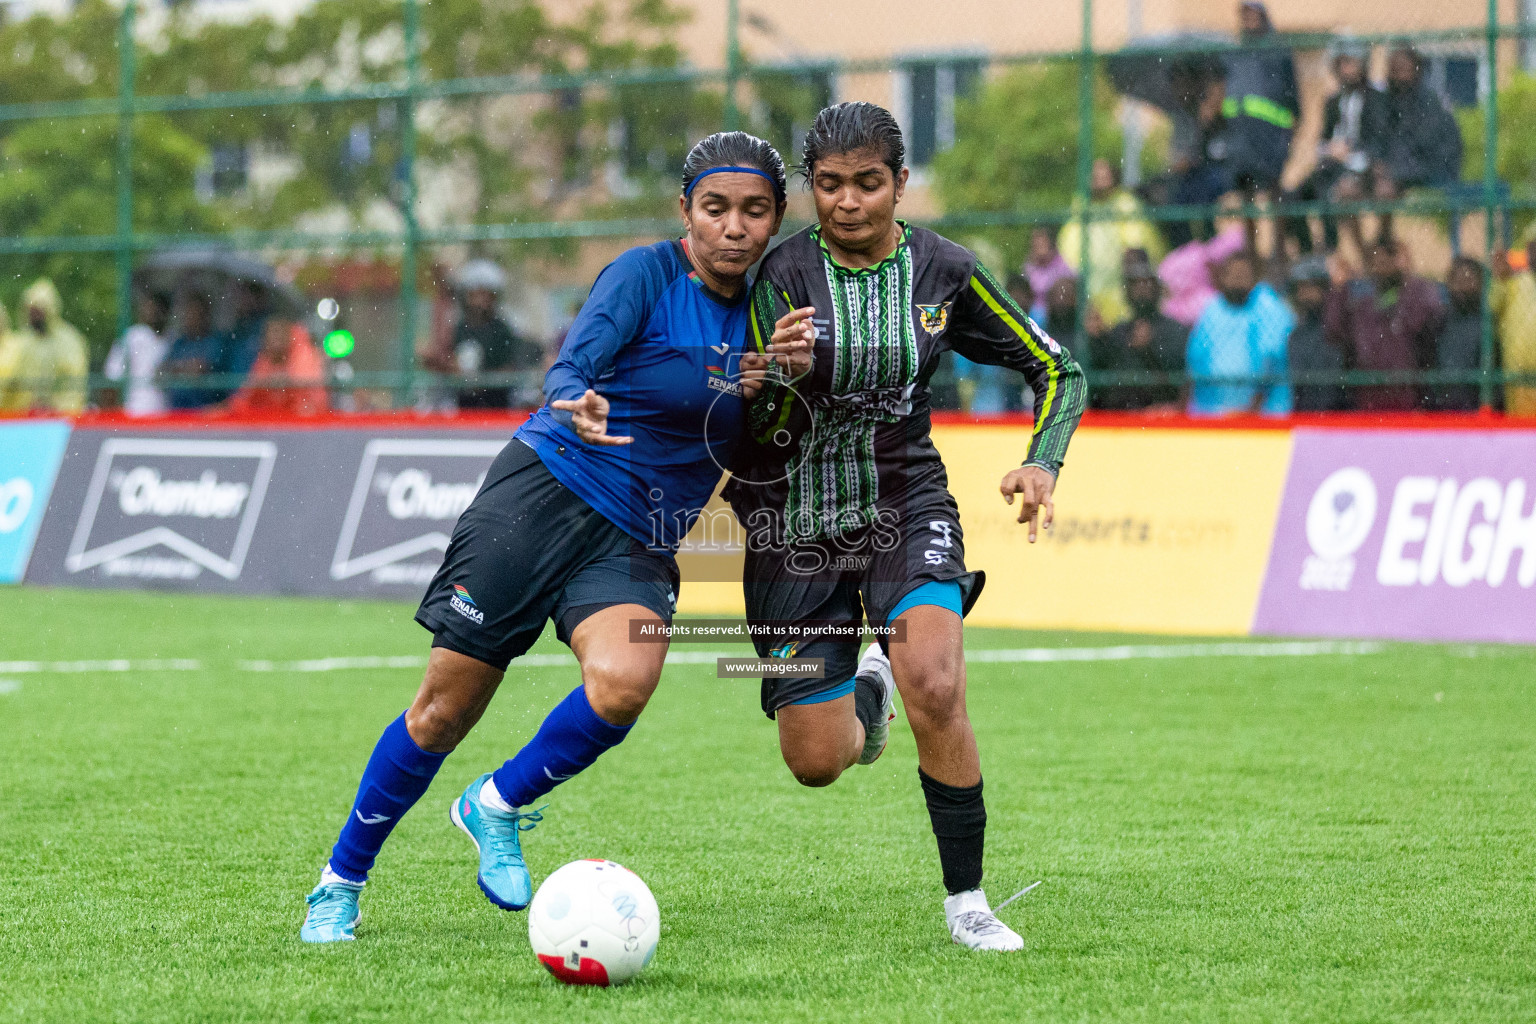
[(846, 500), (576, 523)]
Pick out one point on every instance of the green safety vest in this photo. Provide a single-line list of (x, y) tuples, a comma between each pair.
[(1260, 108)]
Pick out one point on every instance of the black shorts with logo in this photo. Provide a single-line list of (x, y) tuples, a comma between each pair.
[(527, 550), (792, 591)]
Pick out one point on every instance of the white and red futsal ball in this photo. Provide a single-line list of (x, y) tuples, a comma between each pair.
[(594, 922)]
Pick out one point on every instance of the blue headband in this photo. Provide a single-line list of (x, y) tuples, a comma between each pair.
[(737, 170)]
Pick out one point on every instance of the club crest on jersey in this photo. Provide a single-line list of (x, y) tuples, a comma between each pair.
[(934, 318)]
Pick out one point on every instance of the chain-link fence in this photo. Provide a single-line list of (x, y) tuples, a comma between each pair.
[(343, 173)]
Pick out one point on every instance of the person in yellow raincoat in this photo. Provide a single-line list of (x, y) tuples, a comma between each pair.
[(1513, 301), (43, 362), (1107, 242)]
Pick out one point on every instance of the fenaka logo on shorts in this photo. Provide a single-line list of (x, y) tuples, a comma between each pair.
[(933, 318), (406, 497), (462, 603), (159, 508)]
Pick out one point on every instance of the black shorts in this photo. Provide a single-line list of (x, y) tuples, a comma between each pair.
[(527, 550), (795, 590)]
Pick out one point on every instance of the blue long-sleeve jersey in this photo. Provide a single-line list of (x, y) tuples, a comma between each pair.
[(665, 351)]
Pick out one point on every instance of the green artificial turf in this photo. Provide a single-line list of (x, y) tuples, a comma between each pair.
[(1335, 838)]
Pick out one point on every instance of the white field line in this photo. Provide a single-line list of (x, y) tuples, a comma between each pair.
[(1124, 652), (9, 685), (105, 665), (1135, 652)]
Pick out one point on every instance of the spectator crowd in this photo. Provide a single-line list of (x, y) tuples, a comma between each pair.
[(175, 359), (1181, 317), (265, 361)]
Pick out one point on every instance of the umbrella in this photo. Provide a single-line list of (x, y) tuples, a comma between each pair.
[(480, 275), (215, 270), (1147, 76)]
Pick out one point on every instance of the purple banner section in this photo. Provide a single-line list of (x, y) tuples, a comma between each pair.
[(1409, 535)]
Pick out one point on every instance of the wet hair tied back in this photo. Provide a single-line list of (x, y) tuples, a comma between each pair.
[(849, 128), (735, 151)]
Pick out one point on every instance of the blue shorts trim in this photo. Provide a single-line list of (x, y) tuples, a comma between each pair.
[(840, 690), (940, 594)]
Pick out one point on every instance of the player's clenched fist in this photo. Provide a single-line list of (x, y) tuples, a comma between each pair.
[(589, 418), (793, 341), (1034, 486)]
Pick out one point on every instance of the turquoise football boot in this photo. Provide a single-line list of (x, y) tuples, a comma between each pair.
[(332, 914), (503, 876)]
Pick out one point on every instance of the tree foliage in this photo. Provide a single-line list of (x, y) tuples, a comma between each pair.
[(1516, 154), (1015, 150), (523, 157), (62, 181)]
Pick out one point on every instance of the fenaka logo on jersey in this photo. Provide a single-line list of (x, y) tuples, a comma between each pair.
[(171, 509), (718, 381), (406, 497), (933, 318)]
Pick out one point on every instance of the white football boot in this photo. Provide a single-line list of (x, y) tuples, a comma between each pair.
[(973, 925), (877, 664)]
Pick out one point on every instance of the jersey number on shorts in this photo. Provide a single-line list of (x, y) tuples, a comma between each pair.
[(939, 545)]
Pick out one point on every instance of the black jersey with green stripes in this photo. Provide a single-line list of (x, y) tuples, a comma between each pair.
[(851, 436)]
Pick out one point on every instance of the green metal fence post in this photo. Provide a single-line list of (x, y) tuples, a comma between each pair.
[(1084, 166), (123, 242), (408, 206), (732, 62), (1490, 189)]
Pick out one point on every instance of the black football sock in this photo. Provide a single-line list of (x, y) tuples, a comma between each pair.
[(960, 825), (868, 698)]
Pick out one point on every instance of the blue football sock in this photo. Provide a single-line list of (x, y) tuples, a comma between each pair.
[(397, 775), (571, 738)]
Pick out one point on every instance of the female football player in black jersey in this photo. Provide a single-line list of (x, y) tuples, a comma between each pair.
[(845, 501)]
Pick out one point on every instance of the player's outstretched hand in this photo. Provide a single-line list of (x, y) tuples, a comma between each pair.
[(1034, 486), (752, 371), (793, 341), (589, 417)]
